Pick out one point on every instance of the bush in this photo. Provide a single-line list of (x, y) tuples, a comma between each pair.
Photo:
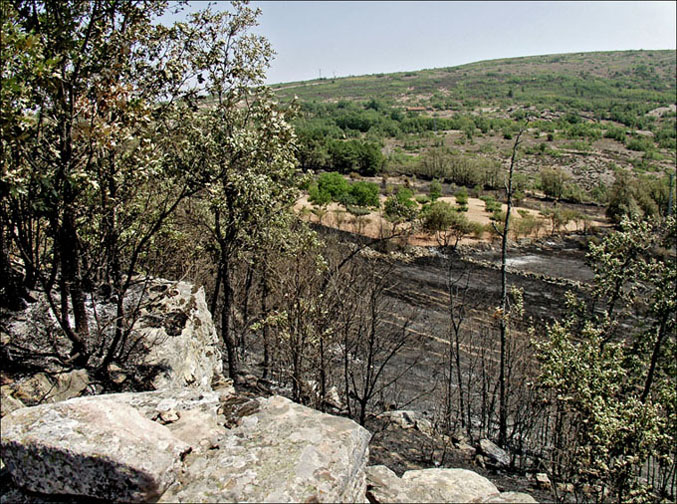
[(552, 182), (400, 207), (435, 190), (333, 185), (363, 194), (461, 197)]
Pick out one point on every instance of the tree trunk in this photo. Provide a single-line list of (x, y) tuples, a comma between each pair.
[(226, 333), (503, 399)]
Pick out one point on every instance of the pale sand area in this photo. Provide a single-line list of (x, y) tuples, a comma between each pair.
[(375, 225)]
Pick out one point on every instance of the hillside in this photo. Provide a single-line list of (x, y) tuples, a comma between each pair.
[(595, 119), (580, 80)]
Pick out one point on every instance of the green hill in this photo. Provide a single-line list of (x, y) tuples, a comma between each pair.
[(592, 115), (583, 81)]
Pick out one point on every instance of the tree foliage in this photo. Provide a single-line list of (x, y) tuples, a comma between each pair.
[(610, 375)]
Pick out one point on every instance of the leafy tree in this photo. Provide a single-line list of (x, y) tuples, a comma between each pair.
[(93, 128), (435, 189), (363, 194), (448, 225), (553, 182), (611, 380), (401, 207)]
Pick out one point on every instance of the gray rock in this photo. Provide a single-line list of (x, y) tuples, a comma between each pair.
[(8, 402), (181, 337), (543, 480), (467, 450), (436, 485), (283, 452), (69, 385), (384, 485), (33, 390), (409, 419), (103, 449), (448, 485), (510, 497), (41, 389), (496, 455)]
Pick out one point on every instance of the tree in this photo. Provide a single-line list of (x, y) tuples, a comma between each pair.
[(553, 182), (96, 124), (110, 138), (608, 369), (504, 313), (448, 225), (246, 150)]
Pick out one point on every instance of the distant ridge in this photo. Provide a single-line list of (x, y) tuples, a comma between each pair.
[(623, 76)]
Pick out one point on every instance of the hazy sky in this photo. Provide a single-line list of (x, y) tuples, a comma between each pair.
[(355, 38)]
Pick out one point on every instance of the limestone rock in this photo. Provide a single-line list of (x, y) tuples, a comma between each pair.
[(510, 498), (8, 402), (436, 485), (283, 452), (447, 485), (180, 336), (496, 455), (543, 480), (103, 449)]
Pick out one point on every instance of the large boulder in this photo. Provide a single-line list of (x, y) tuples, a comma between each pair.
[(186, 446), (278, 451), (173, 343), (101, 449), (435, 485), (496, 455)]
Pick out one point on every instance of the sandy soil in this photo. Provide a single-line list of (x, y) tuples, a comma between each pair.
[(374, 225)]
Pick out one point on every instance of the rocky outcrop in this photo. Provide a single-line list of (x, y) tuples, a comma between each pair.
[(178, 331), (173, 343), (100, 449), (435, 485), (186, 446)]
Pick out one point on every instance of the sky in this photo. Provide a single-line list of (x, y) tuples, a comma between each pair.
[(328, 39)]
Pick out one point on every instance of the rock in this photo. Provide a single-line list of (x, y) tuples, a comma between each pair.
[(403, 419), (276, 451), (40, 388), (511, 497), (447, 485), (466, 449), (283, 452), (435, 485), (180, 336), (543, 480), (408, 419), (481, 461), (69, 385), (116, 373), (8, 402), (103, 449), (496, 455), (383, 485), (33, 390), (333, 398), (565, 487)]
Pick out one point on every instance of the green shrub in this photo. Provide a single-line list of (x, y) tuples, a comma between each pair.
[(435, 189)]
